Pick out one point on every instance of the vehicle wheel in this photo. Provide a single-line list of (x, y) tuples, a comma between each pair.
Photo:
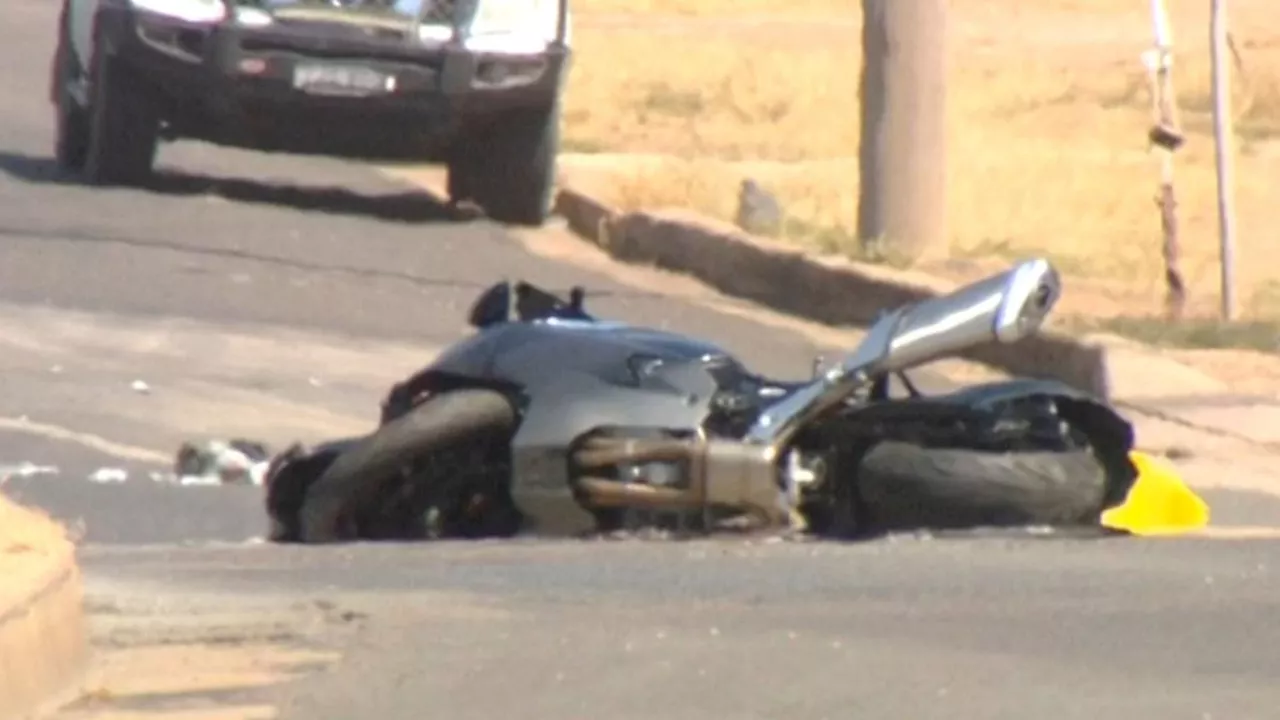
[(123, 130), (460, 178), (903, 486), (352, 481), (515, 166), (71, 122)]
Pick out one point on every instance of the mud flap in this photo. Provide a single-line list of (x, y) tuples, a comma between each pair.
[(1159, 503)]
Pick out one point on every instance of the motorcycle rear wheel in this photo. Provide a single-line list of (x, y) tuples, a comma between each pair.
[(902, 486)]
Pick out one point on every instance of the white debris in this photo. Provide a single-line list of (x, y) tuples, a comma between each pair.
[(221, 462), (56, 369), (106, 476), (28, 469), (140, 386), (258, 473), (25, 470), (190, 480), (315, 382)]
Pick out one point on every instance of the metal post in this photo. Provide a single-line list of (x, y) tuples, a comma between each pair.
[(902, 196), (1223, 136)]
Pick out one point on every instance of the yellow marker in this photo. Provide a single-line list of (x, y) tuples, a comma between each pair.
[(1159, 503)]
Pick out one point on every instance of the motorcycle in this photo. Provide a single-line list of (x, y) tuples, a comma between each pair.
[(550, 420)]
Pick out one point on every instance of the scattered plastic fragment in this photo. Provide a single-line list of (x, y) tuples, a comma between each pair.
[(141, 387), (25, 470), (106, 476)]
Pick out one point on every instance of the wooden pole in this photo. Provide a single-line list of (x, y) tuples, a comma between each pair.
[(1223, 135), (1166, 138), (902, 196)]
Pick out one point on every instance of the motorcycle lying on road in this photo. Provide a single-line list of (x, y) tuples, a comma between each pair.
[(551, 421)]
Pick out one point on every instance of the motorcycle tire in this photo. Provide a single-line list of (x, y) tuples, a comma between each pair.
[(354, 478), (902, 486), (288, 480)]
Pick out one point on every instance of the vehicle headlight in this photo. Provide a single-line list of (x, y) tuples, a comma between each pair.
[(514, 26), (194, 11)]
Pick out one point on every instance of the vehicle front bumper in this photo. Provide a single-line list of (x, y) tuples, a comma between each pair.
[(235, 84)]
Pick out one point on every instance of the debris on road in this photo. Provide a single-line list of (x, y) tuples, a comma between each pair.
[(108, 475), (222, 462), (213, 462), (141, 387), (25, 470)]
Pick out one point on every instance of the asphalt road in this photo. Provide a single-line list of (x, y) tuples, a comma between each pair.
[(241, 277)]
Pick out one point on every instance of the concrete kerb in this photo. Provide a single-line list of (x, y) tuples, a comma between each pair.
[(824, 289), (44, 649)]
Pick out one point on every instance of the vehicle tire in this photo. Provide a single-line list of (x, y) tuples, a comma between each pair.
[(333, 503), (903, 486), (460, 175), (123, 130), (71, 122), (515, 164)]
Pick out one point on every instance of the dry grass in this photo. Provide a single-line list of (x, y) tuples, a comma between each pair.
[(1049, 113)]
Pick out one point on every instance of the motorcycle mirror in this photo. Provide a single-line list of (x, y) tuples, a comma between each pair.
[(492, 307)]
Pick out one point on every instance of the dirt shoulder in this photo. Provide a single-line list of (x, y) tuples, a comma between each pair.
[(30, 542), (43, 648)]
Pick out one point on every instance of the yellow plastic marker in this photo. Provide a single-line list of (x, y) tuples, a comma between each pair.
[(1159, 503)]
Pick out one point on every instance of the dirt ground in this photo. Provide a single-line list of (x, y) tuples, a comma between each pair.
[(1049, 110), (27, 537)]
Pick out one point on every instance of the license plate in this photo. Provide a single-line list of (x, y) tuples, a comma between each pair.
[(341, 80)]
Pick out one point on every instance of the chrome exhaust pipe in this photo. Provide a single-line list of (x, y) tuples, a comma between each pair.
[(1003, 308)]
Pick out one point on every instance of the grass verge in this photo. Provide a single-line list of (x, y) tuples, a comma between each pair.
[(1049, 114)]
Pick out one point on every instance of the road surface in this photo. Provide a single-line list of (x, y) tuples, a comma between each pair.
[(276, 297)]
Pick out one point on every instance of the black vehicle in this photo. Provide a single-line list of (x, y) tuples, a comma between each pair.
[(473, 84), (554, 422)]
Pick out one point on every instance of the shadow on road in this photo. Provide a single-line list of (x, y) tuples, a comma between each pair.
[(412, 206)]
